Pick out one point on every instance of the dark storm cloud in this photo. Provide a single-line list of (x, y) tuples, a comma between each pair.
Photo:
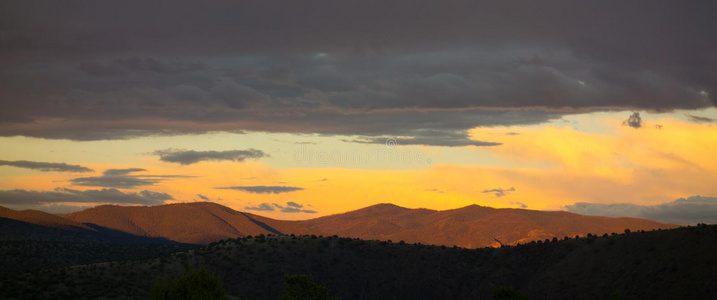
[(682, 211), (499, 192), (64, 195), (45, 166), (262, 189), (123, 70), (633, 121), (188, 157), (121, 179)]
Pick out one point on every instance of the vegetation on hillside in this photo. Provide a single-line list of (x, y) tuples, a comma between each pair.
[(675, 264), (195, 283)]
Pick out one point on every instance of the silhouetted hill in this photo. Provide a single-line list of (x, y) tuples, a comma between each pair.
[(665, 264), (197, 223), (472, 226)]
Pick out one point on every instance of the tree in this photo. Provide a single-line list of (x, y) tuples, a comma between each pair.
[(507, 293), (193, 283), (303, 287)]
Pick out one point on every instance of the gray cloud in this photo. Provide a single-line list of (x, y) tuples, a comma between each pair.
[(261, 207), (45, 166), (294, 204), (499, 192), (121, 182), (519, 204), (119, 172), (682, 211), (108, 72), (187, 157), (431, 138), (121, 178), (63, 195), (699, 119), (293, 207), (205, 198), (262, 189), (633, 121)]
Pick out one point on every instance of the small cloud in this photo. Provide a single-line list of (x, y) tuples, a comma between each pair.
[(321, 180), (699, 119), (500, 192), (293, 207), (512, 133), (261, 207), (188, 157), (294, 204), (658, 126), (45, 166), (263, 189), (205, 198), (120, 172), (520, 204), (633, 121)]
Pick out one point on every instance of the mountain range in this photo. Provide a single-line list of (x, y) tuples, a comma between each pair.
[(206, 222)]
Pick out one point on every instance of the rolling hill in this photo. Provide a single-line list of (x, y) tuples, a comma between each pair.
[(472, 226), (661, 264)]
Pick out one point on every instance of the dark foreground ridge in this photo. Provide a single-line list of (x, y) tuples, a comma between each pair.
[(662, 264)]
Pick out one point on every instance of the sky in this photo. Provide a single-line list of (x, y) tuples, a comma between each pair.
[(300, 109)]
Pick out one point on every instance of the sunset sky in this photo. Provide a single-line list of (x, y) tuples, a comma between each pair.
[(300, 109)]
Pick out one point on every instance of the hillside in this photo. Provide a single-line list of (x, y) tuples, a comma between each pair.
[(471, 227), (665, 264), (41, 218), (197, 223)]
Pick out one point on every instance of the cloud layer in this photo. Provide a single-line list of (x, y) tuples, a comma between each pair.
[(291, 207), (63, 195), (122, 179), (682, 211), (96, 71), (45, 166), (188, 157), (263, 189), (499, 192)]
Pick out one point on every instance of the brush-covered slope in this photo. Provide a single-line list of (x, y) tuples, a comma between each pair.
[(37, 226), (666, 264), (37, 217), (470, 226), (196, 223)]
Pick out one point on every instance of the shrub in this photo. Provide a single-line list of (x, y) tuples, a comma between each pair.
[(303, 287), (507, 293), (193, 283)]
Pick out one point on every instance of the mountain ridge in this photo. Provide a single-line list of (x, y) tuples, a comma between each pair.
[(471, 226)]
